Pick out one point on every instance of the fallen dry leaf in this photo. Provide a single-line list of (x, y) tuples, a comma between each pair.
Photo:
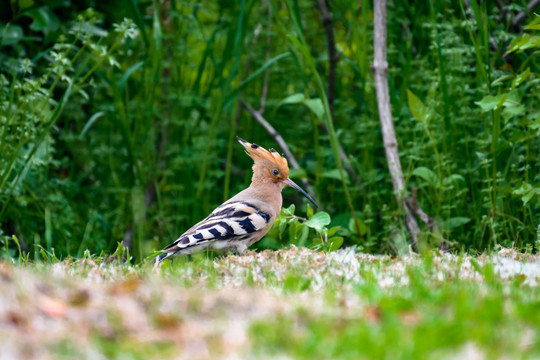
[(52, 307)]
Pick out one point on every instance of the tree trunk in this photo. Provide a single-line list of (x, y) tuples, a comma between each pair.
[(380, 69)]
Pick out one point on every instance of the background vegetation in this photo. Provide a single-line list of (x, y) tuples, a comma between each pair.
[(118, 119)]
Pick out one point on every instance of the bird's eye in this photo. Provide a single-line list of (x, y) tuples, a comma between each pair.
[(275, 172)]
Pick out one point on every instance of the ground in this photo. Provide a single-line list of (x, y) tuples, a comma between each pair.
[(293, 303)]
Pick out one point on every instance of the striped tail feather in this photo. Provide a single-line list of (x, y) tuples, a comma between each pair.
[(159, 259)]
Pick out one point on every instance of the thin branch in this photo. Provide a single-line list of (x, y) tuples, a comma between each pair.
[(523, 14), (412, 202), (279, 140), (380, 69)]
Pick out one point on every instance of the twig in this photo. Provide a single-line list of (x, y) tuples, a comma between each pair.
[(412, 203), (380, 69), (523, 14), (279, 139)]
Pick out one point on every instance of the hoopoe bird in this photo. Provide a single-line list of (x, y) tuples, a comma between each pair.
[(246, 217)]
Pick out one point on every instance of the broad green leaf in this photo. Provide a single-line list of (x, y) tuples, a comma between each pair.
[(318, 221), (528, 196), (293, 99), (521, 78), (535, 125), (10, 34), (332, 230), (510, 112), (429, 176), (455, 222), (335, 243), (282, 225), (513, 98), (533, 25), (518, 43), (502, 79), (303, 236), (491, 102), (522, 43), (361, 227), (316, 106), (43, 19), (454, 179), (309, 211), (527, 192), (417, 108), (334, 174), (294, 229), (288, 211)]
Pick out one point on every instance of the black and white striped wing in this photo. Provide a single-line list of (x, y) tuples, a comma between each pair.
[(232, 221)]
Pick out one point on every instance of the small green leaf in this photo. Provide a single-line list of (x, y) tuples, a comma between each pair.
[(527, 192), (455, 222), (513, 98), (10, 34), (521, 78), (309, 212), (502, 79), (335, 243), (43, 18), (282, 226), (316, 106), (454, 179), (510, 112), (528, 196), (293, 99), (417, 108), (318, 221), (491, 102), (429, 176), (333, 230), (335, 174), (294, 230), (533, 25), (361, 227), (303, 236), (522, 43), (289, 211)]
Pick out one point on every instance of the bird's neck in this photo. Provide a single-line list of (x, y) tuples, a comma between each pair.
[(268, 191), (266, 187)]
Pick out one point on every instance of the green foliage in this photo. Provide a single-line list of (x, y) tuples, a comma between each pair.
[(125, 132), (299, 230)]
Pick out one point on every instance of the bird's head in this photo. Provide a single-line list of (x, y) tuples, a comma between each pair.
[(270, 167)]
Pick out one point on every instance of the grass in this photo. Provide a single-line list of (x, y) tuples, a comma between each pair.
[(292, 303)]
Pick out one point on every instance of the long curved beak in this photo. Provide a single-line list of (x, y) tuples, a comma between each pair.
[(300, 190)]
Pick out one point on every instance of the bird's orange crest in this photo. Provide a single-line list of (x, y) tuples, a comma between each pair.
[(266, 159)]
